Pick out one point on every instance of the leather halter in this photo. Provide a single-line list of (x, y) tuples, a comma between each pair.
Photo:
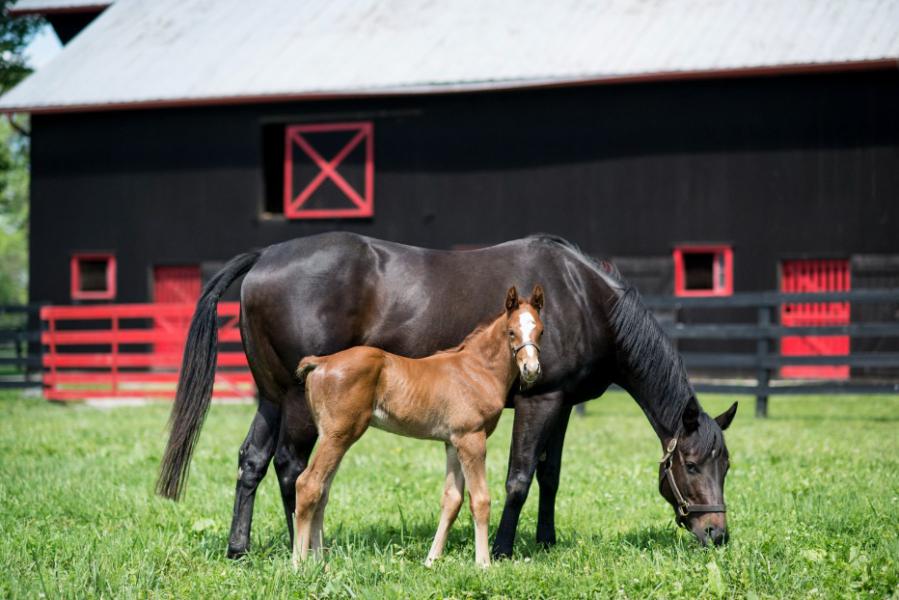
[(683, 508)]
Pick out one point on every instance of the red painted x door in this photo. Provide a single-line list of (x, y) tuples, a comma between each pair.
[(329, 170)]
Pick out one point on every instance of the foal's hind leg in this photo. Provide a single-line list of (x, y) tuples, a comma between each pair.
[(453, 493), (312, 484), (295, 443), (472, 449)]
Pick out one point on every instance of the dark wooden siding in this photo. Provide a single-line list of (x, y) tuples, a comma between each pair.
[(777, 167)]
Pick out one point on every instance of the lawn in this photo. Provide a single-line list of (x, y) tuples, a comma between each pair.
[(813, 494)]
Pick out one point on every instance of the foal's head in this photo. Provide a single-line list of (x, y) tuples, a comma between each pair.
[(524, 329), (692, 472)]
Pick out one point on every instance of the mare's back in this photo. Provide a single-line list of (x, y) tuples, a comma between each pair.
[(322, 294)]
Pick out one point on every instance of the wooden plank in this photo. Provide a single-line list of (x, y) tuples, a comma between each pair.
[(754, 332)]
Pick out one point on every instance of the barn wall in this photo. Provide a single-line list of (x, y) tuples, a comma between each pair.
[(778, 167)]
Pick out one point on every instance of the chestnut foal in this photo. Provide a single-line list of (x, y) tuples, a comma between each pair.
[(456, 396)]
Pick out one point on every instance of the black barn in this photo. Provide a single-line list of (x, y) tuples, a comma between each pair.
[(707, 173)]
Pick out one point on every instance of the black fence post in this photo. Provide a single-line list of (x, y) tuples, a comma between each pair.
[(763, 373)]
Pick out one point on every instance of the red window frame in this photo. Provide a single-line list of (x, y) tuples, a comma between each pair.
[(722, 270), (328, 169), (75, 269)]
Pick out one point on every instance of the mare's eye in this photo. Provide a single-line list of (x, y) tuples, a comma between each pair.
[(692, 468)]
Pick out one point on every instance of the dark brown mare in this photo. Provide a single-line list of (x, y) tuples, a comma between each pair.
[(325, 293), (455, 396)]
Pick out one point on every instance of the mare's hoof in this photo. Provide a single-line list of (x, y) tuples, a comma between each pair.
[(501, 553), (546, 542), (235, 553)]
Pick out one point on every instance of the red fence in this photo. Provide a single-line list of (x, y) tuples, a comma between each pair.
[(132, 351)]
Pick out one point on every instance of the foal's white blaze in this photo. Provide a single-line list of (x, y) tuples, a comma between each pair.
[(528, 326)]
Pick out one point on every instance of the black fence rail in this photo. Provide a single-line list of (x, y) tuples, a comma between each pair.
[(20, 336), (766, 332)]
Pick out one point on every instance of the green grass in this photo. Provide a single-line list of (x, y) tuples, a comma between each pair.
[(813, 495)]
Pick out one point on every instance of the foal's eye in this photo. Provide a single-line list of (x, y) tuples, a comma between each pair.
[(511, 333), (692, 468)]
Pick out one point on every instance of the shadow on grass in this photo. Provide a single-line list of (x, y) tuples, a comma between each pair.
[(652, 537), (822, 418)]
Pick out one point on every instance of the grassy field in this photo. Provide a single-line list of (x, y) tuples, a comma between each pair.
[(813, 494)]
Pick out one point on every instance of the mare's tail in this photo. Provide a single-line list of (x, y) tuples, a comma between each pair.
[(197, 377)]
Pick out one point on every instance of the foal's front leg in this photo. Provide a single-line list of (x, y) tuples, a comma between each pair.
[(453, 493), (472, 449)]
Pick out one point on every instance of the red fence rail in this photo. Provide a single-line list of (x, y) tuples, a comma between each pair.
[(132, 351)]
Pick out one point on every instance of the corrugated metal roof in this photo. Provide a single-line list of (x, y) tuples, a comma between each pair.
[(27, 7), (163, 52)]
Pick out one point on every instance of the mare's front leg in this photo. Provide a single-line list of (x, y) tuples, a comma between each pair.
[(252, 463), (535, 417), (295, 444), (453, 493), (549, 468), (472, 451)]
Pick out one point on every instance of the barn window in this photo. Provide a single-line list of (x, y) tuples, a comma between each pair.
[(93, 277), (703, 271), (325, 171)]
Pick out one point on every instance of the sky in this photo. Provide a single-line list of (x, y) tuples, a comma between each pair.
[(42, 48)]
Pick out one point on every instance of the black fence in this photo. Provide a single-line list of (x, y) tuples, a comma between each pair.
[(20, 336), (763, 361), (746, 321)]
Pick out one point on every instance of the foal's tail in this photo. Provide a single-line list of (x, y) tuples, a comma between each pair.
[(306, 366), (197, 377)]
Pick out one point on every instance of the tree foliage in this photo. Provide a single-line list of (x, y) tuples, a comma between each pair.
[(15, 34)]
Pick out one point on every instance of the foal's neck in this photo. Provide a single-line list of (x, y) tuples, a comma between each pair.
[(490, 348)]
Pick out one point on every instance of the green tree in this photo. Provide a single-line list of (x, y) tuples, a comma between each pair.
[(15, 34)]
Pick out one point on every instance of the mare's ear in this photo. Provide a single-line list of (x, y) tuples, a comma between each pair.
[(726, 417), (511, 300), (537, 298), (690, 418)]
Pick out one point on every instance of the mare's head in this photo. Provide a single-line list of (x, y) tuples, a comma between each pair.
[(692, 472), (524, 328)]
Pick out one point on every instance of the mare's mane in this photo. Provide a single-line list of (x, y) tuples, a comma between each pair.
[(645, 352)]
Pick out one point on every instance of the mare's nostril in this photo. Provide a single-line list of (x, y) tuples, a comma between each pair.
[(716, 535)]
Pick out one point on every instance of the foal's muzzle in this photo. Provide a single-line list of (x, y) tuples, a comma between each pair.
[(529, 369)]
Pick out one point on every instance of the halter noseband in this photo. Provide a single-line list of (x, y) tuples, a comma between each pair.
[(520, 347), (683, 507)]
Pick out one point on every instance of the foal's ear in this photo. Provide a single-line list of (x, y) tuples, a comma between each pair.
[(726, 417), (511, 300), (537, 298)]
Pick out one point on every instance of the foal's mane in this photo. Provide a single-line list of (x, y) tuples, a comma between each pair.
[(644, 351), (477, 331)]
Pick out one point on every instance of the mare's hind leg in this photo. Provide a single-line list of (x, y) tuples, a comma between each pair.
[(295, 444), (252, 463), (472, 449), (453, 492), (548, 469)]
